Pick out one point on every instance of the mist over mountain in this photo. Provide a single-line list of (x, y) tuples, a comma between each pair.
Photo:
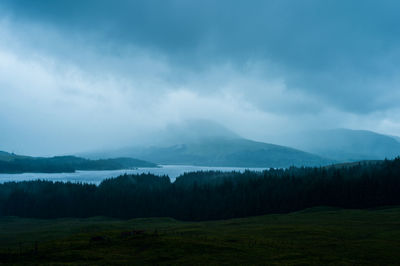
[(107, 74), (191, 131), (206, 143), (347, 145)]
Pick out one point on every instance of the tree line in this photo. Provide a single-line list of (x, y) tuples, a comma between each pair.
[(66, 164), (208, 195)]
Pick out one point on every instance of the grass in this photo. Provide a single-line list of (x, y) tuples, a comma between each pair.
[(318, 236)]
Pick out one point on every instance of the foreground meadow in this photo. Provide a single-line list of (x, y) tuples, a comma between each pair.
[(319, 236)]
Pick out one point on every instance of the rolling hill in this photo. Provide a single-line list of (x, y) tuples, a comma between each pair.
[(12, 163), (348, 145)]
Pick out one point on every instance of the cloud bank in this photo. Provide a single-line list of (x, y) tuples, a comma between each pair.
[(82, 75)]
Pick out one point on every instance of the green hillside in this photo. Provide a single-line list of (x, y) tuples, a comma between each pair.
[(318, 236)]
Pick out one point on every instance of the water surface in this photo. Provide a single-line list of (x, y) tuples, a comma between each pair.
[(95, 177)]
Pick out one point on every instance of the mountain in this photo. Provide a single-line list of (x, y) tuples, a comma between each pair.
[(205, 143), (12, 163), (396, 138), (348, 145), (237, 152)]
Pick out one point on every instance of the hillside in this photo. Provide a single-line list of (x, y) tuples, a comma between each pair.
[(206, 143), (11, 163), (396, 138), (347, 145), (237, 152), (5, 156)]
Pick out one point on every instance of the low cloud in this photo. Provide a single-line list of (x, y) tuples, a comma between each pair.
[(75, 77)]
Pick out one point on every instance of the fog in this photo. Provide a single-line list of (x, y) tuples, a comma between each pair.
[(76, 77)]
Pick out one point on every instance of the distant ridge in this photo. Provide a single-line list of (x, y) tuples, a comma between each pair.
[(12, 163), (348, 145), (356, 163)]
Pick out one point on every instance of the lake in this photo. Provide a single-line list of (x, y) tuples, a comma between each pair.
[(95, 177)]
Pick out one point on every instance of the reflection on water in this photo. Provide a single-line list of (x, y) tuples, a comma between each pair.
[(95, 177)]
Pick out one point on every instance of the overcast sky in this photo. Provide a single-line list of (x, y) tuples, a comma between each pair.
[(84, 75)]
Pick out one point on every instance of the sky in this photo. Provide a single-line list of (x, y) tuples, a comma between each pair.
[(86, 75)]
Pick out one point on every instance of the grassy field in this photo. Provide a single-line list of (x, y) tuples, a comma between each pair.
[(318, 236)]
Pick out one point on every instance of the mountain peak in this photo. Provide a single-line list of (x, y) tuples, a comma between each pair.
[(190, 131)]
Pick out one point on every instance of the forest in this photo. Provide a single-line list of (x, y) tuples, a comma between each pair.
[(209, 195), (11, 163)]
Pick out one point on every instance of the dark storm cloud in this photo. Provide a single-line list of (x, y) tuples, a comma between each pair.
[(344, 51), (258, 67)]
